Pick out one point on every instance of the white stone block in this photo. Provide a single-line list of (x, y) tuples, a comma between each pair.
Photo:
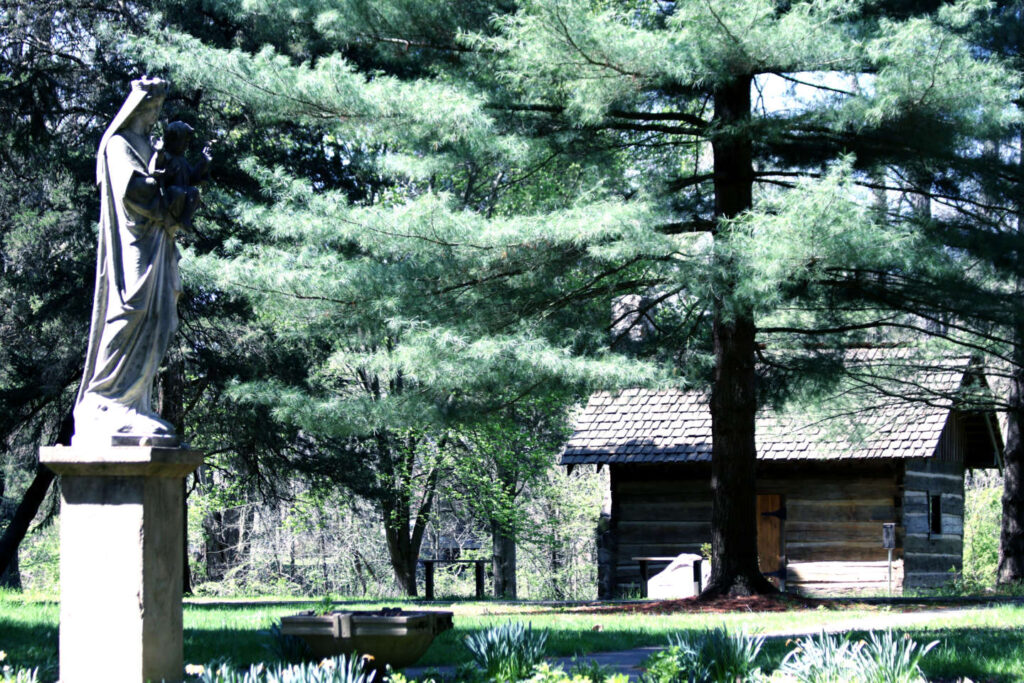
[(677, 579)]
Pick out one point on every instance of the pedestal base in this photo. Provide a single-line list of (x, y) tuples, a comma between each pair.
[(121, 541)]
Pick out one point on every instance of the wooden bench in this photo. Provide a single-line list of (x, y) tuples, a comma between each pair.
[(428, 575)]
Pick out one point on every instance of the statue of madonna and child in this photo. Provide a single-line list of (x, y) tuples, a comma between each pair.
[(147, 193)]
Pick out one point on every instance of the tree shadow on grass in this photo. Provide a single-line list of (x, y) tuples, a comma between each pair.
[(981, 654), (240, 646), (30, 646), (239, 632), (449, 647), (298, 604)]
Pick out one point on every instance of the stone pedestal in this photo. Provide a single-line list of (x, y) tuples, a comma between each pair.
[(121, 541)]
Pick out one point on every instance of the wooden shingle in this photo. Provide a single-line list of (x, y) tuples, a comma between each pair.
[(672, 426)]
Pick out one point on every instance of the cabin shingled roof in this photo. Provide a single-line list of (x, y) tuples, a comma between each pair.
[(672, 426)]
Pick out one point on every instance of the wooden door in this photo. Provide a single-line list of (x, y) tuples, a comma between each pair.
[(770, 516)]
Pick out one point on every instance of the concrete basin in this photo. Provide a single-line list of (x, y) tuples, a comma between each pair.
[(390, 636)]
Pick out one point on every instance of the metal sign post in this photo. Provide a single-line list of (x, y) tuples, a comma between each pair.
[(889, 542)]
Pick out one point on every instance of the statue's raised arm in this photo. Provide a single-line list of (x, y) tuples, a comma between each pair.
[(137, 284)]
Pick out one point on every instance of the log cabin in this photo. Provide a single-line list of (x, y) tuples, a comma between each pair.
[(824, 490)]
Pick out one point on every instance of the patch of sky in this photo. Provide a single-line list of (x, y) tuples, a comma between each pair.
[(802, 91)]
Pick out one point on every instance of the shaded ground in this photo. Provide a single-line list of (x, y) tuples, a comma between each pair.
[(754, 603), (764, 603)]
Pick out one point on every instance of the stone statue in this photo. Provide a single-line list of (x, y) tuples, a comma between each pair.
[(178, 177), (137, 283)]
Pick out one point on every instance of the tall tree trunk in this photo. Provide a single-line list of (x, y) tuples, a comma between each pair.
[(404, 535), (734, 567), (10, 576), (30, 503), (556, 559), (405, 521), (1011, 538), (503, 560), (226, 539), (400, 551), (503, 540), (1011, 535), (16, 531), (397, 465)]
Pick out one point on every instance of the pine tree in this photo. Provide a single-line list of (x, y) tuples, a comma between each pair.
[(543, 159), (1001, 244)]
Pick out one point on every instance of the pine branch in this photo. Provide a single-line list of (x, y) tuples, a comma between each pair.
[(592, 60), (766, 177), (690, 181), (479, 281), (295, 295), (839, 329), (695, 121), (680, 228), (650, 128), (785, 76), (407, 43), (698, 126)]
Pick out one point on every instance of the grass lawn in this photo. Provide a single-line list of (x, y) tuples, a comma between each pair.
[(984, 644)]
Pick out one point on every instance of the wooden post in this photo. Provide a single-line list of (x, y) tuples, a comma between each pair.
[(428, 579), (643, 578), (890, 572), (479, 571)]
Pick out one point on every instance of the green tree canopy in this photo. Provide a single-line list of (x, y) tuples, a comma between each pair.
[(533, 162)]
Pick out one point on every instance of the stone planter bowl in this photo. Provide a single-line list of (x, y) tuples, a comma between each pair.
[(390, 636)]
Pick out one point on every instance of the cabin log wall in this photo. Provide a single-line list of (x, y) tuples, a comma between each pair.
[(931, 554), (657, 510), (833, 529), (835, 513)]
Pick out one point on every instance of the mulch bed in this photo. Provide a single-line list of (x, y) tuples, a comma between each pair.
[(753, 603)]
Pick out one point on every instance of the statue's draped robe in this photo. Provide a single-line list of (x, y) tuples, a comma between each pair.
[(137, 287)]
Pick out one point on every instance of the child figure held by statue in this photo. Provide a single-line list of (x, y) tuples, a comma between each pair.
[(178, 177)]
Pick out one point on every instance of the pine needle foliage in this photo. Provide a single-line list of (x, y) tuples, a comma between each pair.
[(530, 163)]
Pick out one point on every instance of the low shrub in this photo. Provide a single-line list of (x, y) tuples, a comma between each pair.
[(337, 670), (717, 656), (545, 673), (882, 658), (9, 674), (541, 673), (507, 652), (886, 658), (822, 658), (983, 512), (591, 671), (713, 656)]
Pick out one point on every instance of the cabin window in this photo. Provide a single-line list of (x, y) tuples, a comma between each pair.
[(935, 513)]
